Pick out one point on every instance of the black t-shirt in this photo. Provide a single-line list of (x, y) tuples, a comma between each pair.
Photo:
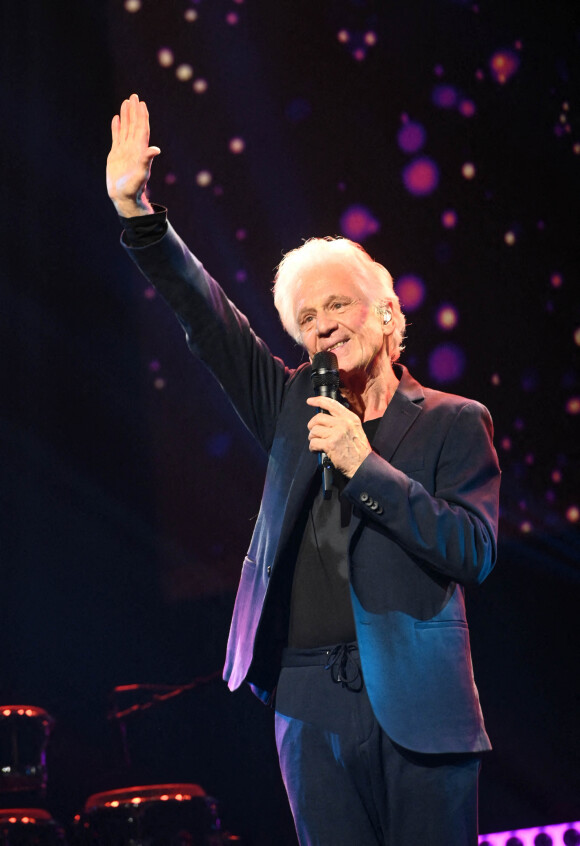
[(320, 605)]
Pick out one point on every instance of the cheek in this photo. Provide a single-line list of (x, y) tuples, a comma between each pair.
[(309, 344)]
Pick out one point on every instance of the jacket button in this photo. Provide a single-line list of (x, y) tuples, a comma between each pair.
[(374, 505), (268, 570), (364, 496)]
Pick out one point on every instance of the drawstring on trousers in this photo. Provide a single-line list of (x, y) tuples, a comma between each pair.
[(343, 668)]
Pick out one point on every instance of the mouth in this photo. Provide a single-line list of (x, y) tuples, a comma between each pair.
[(336, 346)]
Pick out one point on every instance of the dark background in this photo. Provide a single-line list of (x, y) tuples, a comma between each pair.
[(128, 487)]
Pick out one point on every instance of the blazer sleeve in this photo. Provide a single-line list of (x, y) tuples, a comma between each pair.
[(217, 332), (452, 528)]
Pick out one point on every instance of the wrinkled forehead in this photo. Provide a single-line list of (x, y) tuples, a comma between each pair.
[(319, 283)]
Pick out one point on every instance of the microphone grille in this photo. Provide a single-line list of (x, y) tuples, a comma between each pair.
[(325, 370), (325, 361)]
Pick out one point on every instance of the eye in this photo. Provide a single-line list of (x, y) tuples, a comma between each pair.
[(306, 320), (338, 305)]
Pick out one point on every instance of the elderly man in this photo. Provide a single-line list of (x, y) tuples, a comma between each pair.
[(350, 613)]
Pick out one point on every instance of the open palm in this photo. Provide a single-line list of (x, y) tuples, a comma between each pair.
[(130, 158)]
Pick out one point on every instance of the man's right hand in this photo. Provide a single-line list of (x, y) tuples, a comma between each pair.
[(129, 162)]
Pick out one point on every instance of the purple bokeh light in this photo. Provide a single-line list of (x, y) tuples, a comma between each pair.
[(444, 96), (411, 291), (467, 108), (421, 176), (446, 363), (411, 137), (449, 219), (357, 223)]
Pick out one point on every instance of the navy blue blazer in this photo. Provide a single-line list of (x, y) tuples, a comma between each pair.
[(424, 520)]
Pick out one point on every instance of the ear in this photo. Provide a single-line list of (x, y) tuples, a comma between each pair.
[(387, 318)]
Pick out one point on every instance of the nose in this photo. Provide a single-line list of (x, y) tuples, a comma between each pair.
[(325, 323)]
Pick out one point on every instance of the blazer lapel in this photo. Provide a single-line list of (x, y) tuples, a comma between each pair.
[(401, 413)]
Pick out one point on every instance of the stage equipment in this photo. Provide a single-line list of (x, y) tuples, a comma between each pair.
[(29, 827), (24, 735), (151, 815)]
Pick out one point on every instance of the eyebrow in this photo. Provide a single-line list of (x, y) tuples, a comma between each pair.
[(328, 301)]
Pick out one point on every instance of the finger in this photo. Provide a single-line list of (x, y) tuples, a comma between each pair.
[(142, 127), (133, 112), (124, 121), (115, 129), (318, 445), (329, 405), (320, 421)]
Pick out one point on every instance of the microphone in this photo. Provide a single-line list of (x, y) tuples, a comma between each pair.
[(325, 381)]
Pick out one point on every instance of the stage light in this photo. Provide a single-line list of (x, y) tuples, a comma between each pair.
[(446, 363), (467, 108), (444, 96), (503, 65), (203, 178), (184, 72), (411, 137), (357, 223), (165, 57), (447, 317), (411, 291), (563, 834), (449, 219), (237, 145), (421, 176)]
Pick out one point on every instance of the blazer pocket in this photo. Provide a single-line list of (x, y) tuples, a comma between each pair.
[(441, 624)]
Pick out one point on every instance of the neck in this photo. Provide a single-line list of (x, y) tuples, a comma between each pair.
[(369, 396)]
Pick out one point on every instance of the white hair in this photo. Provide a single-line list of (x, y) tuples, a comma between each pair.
[(375, 281)]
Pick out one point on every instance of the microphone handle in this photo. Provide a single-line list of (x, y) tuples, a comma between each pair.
[(323, 460)]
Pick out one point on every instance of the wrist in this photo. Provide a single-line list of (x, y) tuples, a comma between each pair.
[(132, 207)]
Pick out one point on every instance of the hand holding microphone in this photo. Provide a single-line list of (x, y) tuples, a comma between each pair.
[(336, 433), (325, 381)]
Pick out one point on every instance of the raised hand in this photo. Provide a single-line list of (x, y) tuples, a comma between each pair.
[(129, 162)]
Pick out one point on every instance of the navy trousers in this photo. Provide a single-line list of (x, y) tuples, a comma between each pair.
[(348, 784)]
